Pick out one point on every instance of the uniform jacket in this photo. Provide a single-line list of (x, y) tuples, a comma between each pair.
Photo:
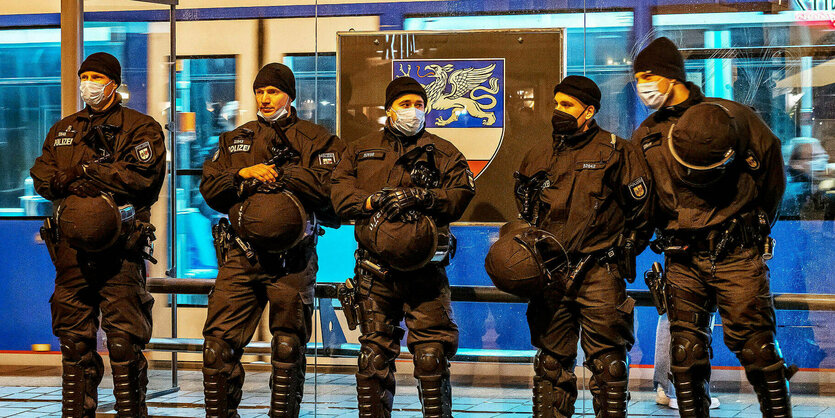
[(371, 163), (250, 143), (759, 179), (138, 168), (599, 188)]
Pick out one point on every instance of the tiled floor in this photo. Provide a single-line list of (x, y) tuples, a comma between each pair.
[(36, 392)]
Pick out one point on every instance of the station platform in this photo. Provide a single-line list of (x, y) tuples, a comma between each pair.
[(34, 391)]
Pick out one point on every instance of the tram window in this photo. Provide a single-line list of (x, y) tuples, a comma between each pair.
[(315, 87)]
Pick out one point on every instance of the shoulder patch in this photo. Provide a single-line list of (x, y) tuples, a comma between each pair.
[(217, 154), (751, 160), (371, 155), (638, 188), (144, 152), (327, 158)]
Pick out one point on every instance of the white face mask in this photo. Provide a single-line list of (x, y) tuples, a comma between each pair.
[(93, 93), (278, 114), (409, 121), (651, 95)]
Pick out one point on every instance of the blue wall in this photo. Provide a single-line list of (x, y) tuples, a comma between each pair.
[(801, 265), (26, 283)]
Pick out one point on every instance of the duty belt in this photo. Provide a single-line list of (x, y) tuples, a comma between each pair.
[(745, 230)]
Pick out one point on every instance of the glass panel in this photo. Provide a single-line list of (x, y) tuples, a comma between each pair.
[(774, 56), (30, 94), (207, 106), (142, 47), (314, 84)]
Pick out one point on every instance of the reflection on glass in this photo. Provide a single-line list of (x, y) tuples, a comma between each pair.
[(207, 108)]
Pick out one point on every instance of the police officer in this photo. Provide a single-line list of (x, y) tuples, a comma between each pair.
[(105, 154), (259, 170), (590, 189), (373, 183), (719, 180)]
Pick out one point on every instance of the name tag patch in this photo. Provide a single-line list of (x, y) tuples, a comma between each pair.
[(651, 140), (590, 165), (371, 155), (327, 158)]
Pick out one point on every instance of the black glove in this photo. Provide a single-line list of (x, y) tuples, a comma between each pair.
[(376, 200), (271, 187), (248, 187), (84, 188), (401, 200), (59, 185)]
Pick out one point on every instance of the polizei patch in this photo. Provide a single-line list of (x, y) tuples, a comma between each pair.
[(65, 137), (638, 188), (144, 152), (60, 142), (240, 145)]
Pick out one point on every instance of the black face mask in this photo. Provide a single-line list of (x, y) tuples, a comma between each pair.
[(563, 123)]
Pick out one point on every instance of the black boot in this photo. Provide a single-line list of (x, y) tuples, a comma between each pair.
[(287, 380), (375, 382), (432, 372), (223, 378), (554, 386), (610, 378), (767, 372), (690, 367), (130, 375), (82, 372)]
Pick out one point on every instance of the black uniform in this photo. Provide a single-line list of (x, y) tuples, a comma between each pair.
[(368, 165), (594, 196), (244, 286), (113, 281), (732, 276)]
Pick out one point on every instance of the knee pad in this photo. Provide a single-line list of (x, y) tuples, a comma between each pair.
[(121, 347), (430, 359), (286, 348), (551, 367), (373, 361), (74, 349), (217, 353), (609, 366), (688, 350), (760, 350)]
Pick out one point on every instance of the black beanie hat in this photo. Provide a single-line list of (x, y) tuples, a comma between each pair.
[(276, 75), (580, 88), (403, 85), (661, 57), (102, 62)]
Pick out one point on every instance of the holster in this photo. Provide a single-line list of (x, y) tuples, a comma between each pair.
[(559, 284), (221, 232), (353, 291), (348, 296), (657, 285), (626, 254), (141, 240), (49, 235)]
